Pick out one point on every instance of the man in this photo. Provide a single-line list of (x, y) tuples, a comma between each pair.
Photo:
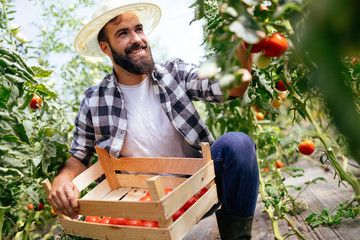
[(145, 109)]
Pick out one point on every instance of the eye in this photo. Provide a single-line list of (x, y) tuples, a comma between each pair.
[(139, 29)]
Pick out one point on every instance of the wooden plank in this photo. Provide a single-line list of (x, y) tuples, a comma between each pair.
[(117, 194), (106, 163), (88, 176), (193, 215), (99, 191), (177, 198), (157, 192), (113, 232), (185, 166), (135, 194), (126, 209), (139, 180), (205, 149)]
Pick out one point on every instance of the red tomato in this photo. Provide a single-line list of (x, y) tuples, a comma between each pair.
[(118, 221), (259, 116), (147, 223), (276, 45), (189, 203), (264, 8), (201, 192), (30, 207), (307, 147), (279, 164), (134, 222), (93, 219), (36, 102), (40, 207), (105, 220), (258, 47), (167, 190), (145, 198), (177, 214), (266, 169), (280, 86)]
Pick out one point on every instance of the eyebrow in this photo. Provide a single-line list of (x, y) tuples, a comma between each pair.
[(125, 29)]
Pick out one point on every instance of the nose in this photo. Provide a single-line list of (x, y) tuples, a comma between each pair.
[(135, 38)]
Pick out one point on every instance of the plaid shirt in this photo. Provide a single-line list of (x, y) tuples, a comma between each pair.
[(102, 121)]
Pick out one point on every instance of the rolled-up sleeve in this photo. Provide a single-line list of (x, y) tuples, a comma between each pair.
[(83, 143), (200, 89)]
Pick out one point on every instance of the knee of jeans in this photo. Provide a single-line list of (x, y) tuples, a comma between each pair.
[(238, 141)]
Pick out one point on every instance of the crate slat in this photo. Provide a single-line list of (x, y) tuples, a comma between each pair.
[(194, 214), (127, 209), (185, 166), (135, 194), (113, 232), (177, 198), (99, 191), (139, 180), (88, 176)]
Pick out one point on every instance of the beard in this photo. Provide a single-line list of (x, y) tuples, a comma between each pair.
[(139, 65)]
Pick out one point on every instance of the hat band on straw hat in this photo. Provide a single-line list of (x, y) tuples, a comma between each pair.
[(86, 42)]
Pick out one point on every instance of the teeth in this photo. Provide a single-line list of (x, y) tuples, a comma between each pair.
[(137, 51)]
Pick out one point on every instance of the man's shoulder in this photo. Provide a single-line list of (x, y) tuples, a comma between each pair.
[(173, 66), (173, 63), (100, 88)]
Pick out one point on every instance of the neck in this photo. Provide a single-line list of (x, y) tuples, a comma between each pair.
[(126, 78)]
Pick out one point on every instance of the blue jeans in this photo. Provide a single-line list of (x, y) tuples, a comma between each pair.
[(237, 174)]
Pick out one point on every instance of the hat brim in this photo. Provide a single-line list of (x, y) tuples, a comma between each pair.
[(86, 42)]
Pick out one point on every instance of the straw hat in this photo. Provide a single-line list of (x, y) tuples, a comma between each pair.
[(86, 42)]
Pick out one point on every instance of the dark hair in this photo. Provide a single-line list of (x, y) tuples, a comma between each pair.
[(102, 36)]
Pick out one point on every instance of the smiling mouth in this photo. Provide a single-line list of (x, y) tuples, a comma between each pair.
[(135, 51)]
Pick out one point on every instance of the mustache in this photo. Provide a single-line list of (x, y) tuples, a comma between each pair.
[(135, 46)]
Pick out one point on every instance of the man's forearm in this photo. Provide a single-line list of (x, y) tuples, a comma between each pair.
[(72, 168)]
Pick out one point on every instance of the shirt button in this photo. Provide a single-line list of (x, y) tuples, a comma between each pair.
[(122, 131)]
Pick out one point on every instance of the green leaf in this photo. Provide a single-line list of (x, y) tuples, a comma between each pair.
[(9, 173), (47, 91), (41, 72), (13, 97)]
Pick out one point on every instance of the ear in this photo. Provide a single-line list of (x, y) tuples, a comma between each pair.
[(105, 48)]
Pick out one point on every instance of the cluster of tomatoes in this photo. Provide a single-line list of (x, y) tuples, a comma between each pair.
[(146, 223)]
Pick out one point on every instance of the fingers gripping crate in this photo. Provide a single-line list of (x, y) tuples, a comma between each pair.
[(118, 195)]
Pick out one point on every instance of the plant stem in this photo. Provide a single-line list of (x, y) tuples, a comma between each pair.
[(28, 225), (1, 221)]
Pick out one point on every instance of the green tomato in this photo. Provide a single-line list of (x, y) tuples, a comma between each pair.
[(262, 61)]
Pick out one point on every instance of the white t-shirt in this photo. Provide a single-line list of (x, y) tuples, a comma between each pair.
[(149, 132)]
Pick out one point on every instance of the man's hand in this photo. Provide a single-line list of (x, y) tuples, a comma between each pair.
[(64, 194), (246, 61)]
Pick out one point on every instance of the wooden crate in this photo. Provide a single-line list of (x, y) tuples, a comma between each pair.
[(118, 195)]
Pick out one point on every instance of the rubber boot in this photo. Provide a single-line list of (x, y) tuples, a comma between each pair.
[(233, 227)]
